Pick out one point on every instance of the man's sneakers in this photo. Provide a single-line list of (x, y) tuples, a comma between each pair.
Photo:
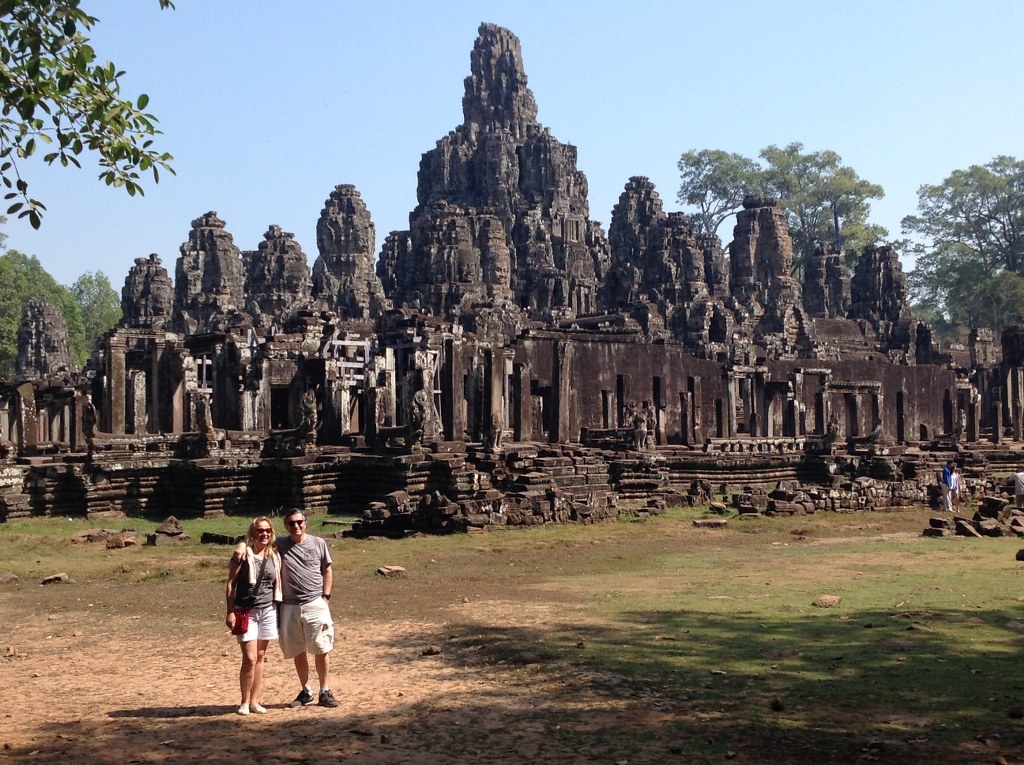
[(325, 699)]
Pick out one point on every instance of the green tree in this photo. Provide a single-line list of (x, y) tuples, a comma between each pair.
[(60, 101), (715, 182), (970, 245), (24, 279), (99, 305), (815, 189)]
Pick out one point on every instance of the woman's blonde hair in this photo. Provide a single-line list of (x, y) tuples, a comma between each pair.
[(250, 538)]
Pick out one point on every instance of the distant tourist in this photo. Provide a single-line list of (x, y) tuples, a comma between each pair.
[(1018, 488), (253, 592), (306, 623), (955, 487), (947, 486)]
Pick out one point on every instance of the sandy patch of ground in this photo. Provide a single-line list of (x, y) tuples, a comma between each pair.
[(110, 690)]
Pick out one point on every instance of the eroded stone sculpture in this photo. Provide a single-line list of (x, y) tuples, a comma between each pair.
[(43, 347)]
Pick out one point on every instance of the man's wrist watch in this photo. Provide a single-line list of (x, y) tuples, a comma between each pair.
[(327, 596)]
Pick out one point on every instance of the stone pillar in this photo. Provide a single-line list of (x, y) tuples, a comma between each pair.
[(153, 424), (685, 418), (729, 402), (1015, 398), (561, 387), (137, 398), (997, 421), (28, 419), (973, 421), (178, 408), (113, 412), (696, 402), (496, 417)]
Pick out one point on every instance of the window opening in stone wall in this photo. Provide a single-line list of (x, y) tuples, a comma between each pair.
[(742, 406)]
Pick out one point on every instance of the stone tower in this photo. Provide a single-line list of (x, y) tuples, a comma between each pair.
[(208, 279), (502, 214), (277, 282), (147, 298), (343, 275), (43, 341)]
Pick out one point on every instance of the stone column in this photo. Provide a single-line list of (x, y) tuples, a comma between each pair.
[(114, 409), (696, 402), (561, 390), (729, 402), (973, 421), (28, 418), (137, 396), (1015, 399), (997, 421)]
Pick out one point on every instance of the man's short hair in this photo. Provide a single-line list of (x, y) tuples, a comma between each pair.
[(293, 511)]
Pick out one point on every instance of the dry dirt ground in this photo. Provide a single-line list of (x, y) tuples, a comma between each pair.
[(110, 691)]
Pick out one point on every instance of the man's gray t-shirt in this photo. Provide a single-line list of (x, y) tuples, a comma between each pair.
[(303, 565)]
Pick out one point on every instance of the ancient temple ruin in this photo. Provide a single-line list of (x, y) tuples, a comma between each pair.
[(503, 361)]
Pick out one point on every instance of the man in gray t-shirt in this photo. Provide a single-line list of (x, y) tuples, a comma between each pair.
[(306, 623)]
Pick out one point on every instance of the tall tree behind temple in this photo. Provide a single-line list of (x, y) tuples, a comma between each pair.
[(715, 182), (970, 255), (813, 188), (100, 307), (24, 279)]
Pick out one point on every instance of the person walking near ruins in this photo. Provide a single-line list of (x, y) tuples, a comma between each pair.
[(947, 486), (306, 622), (252, 594)]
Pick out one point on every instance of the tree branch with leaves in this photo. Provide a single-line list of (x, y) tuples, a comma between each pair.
[(59, 101)]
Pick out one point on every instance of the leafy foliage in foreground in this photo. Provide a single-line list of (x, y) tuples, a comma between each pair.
[(59, 101)]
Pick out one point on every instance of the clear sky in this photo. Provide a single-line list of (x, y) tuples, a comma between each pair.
[(267, 105)]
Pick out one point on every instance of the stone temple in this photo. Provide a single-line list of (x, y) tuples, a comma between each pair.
[(503, 361)]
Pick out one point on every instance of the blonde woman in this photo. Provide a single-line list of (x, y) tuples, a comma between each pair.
[(252, 594)]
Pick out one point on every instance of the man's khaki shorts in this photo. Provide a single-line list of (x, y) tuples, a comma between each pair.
[(306, 628)]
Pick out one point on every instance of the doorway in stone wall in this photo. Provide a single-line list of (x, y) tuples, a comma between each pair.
[(279, 407)]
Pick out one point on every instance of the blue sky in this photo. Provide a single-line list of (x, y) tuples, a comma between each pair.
[(267, 106)]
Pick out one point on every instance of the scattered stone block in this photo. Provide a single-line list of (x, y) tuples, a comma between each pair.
[(170, 527), (122, 540), (212, 538), (827, 601), (390, 571), (710, 523), (61, 578)]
